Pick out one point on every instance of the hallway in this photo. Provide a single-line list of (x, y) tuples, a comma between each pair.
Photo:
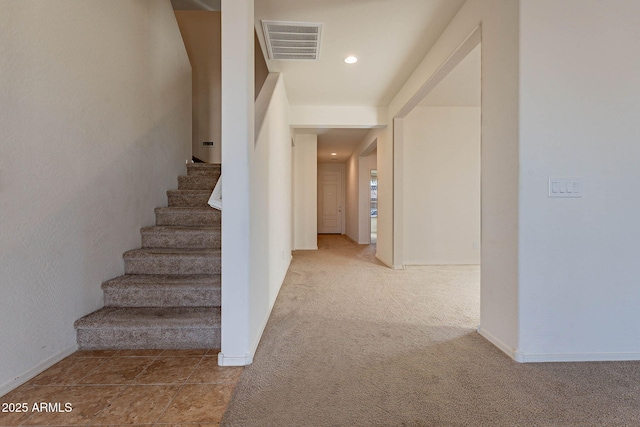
[(351, 342)]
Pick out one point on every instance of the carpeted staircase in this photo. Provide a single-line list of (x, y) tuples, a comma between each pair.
[(169, 296)]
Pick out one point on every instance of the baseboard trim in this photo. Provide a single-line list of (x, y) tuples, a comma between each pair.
[(523, 357), (245, 360), (502, 346), (388, 264), (38, 369)]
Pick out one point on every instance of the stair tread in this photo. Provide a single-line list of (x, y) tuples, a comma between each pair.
[(195, 281), (195, 209), (144, 252), (194, 192), (179, 228), (150, 318)]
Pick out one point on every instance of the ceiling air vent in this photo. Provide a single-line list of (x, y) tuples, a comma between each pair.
[(292, 40)]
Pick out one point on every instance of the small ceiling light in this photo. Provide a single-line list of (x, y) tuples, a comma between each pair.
[(350, 59), (334, 154)]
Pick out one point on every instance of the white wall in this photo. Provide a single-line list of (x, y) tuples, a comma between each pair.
[(580, 117), (500, 65), (238, 118), (305, 189), (95, 127), (256, 220), (442, 186), (271, 206)]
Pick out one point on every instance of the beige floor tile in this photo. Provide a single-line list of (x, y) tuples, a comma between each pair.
[(168, 370), (183, 353), (85, 403), (69, 371), (188, 425), (138, 353), (94, 353), (137, 405), (198, 403), (208, 372), (13, 418), (118, 370)]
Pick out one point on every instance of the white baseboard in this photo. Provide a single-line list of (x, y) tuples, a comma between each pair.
[(575, 357), (498, 343), (245, 360), (39, 368), (390, 265)]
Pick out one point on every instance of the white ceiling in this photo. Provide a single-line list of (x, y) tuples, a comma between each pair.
[(390, 37)]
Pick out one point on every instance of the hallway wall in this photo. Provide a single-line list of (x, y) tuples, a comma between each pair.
[(442, 186), (95, 127)]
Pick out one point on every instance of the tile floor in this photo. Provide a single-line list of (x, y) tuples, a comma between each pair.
[(126, 387)]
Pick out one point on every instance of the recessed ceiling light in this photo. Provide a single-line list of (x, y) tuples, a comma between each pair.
[(350, 59), (334, 154)]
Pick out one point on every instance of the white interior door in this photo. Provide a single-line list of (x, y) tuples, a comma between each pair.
[(330, 202)]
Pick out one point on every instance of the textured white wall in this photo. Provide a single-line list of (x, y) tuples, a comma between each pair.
[(95, 127), (442, 186), (580, 117), (305, 188)]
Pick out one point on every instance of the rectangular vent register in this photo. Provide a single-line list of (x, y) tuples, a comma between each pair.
[(292, 40)]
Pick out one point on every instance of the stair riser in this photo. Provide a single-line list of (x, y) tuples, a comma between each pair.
[(176, 297), (200, 170), (148, 338), (181, 198), (197, 182), (172, 264), (182, 239), (189, 219)]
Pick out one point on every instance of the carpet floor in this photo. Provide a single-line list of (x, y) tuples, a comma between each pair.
[(353, 343)]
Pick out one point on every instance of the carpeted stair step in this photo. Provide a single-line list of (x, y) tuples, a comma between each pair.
[(172, 261), (149, 290), (150, 328), (188, 217), (188, 198), (204, 169), (181, 237), (186, 182)]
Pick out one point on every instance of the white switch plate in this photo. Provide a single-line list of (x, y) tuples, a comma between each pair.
[(565, 187)]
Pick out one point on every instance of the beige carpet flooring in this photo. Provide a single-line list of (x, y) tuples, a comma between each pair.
[(353, 343)]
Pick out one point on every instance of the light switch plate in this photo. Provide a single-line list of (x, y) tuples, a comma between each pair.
[(565, 187)]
